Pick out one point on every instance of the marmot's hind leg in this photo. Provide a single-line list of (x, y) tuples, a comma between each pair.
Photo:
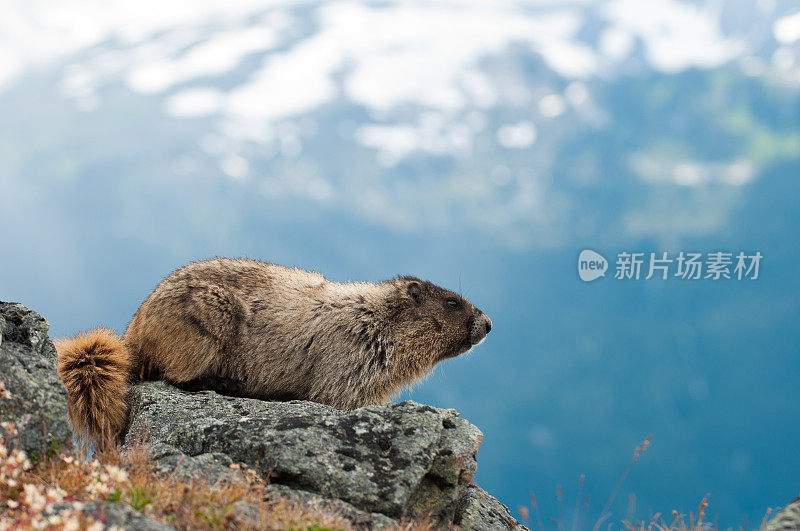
[(186, 331), (214, 315), (215, 311)]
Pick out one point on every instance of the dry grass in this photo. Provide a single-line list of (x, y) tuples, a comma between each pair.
[(27, 488), (29, 485), (683, 522), (679, 522)]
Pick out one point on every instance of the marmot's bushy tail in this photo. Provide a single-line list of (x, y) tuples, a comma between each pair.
[(95, 368)]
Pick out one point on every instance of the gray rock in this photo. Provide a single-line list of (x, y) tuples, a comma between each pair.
[(209, 467), (401, 460), (786, 520), (213, 467), (110, 514), (479, 511), (38, 403), (358, 519)]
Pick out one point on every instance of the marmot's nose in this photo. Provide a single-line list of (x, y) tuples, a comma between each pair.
[(481, 324)]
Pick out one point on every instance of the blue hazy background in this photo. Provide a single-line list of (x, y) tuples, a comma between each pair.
[(480, 145)]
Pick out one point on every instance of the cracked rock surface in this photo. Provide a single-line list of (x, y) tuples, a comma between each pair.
[(38, 403), (109, 514), (398, 461)]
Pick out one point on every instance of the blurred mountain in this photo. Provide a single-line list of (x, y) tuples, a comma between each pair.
[(350, 106)]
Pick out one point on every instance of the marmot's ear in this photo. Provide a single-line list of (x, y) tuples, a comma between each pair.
[(415, 291)]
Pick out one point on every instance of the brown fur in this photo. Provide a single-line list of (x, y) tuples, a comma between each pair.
[(94, 367), (283, 333)]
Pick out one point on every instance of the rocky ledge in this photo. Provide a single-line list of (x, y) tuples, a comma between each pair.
[(381, 463), (38, 402), (376, 465)]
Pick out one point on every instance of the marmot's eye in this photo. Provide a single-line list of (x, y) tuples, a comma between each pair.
[(452, 303)]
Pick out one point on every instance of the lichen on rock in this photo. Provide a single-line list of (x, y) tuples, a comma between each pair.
[(402, 461), (38, 403), (109, 515), (787, 519)]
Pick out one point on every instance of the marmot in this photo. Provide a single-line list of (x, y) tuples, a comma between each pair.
[(266, 331)]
